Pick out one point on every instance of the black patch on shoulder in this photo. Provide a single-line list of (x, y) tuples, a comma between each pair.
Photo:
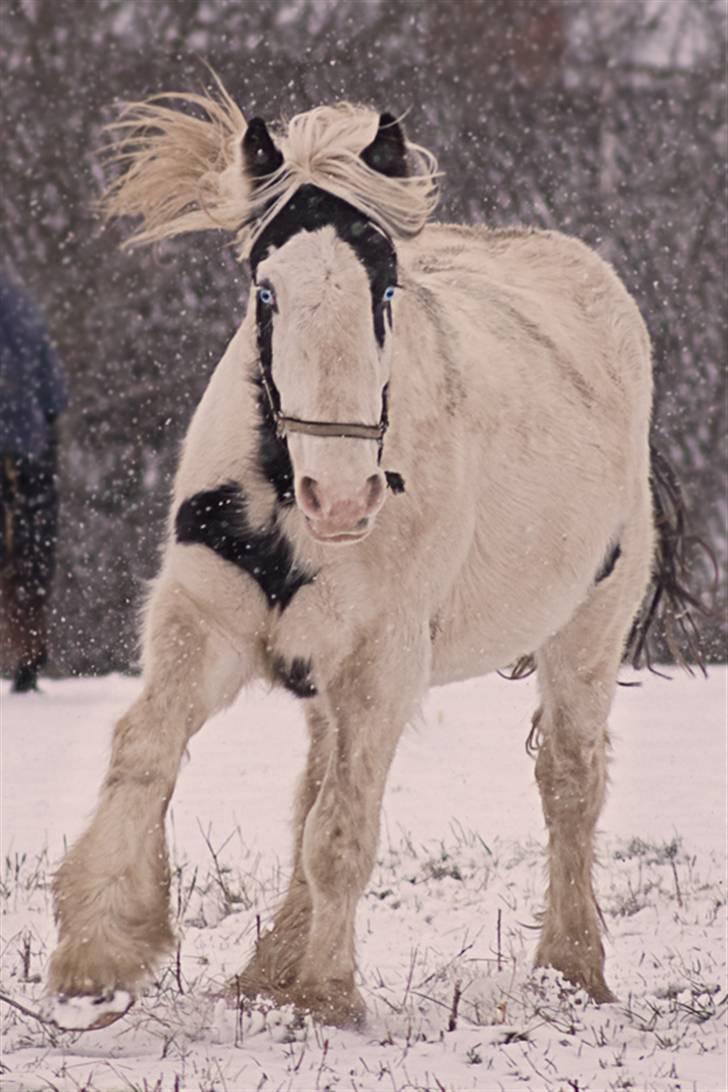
[(608, 564), (311, 208), (218, 519), (296, 676)]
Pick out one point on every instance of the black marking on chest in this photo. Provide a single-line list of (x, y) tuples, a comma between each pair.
[(296, 675), (217, 518), (607, 566)]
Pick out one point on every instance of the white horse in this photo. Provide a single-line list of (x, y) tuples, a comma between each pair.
[(423, 456)]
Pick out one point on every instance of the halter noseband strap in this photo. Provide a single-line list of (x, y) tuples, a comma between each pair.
[(342, 429), (337, 429)]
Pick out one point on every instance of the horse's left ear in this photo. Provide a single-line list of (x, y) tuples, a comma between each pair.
[(387, 153), (260, 155)]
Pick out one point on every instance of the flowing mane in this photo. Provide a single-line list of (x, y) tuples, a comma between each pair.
[(184, 173)]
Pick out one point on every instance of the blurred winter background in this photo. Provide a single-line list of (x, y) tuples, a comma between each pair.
[(602, 118)]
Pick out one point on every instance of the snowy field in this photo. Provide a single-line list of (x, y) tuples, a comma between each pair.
[(445, 928)]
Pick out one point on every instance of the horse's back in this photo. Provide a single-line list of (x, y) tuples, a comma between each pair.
[(548, 338), (555, 284)]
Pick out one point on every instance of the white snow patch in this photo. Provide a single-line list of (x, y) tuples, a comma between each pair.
[(448, 911)]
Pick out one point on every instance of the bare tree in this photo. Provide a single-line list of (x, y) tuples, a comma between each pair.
[(603, 120)]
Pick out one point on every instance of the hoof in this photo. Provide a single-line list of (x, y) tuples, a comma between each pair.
[(244, 990), (282, 1023), (602, 994), (335, 1003), (88, 1012), (591, 980)]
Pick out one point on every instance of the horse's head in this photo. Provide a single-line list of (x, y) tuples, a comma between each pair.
[(324, 286), (316, 208)]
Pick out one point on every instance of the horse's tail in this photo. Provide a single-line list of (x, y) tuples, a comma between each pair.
[(667, 611)]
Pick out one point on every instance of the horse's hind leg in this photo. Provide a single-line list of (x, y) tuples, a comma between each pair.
[(577, 672), (111, 892)]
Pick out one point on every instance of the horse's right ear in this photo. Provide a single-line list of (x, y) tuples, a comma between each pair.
[(387, 153), (260, 155)]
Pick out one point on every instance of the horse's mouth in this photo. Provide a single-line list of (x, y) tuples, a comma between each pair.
[(336, 536)]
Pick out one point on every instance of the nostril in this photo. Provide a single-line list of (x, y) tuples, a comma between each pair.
[(308, 490), (375, 491)]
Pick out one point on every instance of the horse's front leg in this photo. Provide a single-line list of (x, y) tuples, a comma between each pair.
[(111, 891), (276, 961), (368, 702)]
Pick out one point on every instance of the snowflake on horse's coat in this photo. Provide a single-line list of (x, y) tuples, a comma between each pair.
[(423, 456)]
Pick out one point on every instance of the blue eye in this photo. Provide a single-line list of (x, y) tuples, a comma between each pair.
[(266, 295), (388, 293)]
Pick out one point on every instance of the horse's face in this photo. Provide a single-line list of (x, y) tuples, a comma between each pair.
[(323, 305)]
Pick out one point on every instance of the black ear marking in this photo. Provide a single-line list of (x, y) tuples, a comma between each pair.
[(260, 155), (387, 152)]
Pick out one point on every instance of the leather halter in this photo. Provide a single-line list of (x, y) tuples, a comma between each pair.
[(336, 429)]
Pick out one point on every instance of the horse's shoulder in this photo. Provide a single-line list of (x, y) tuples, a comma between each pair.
[(477, 248)]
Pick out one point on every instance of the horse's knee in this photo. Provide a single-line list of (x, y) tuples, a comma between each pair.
[(189, 658)]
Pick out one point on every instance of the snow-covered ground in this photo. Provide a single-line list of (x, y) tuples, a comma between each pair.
[(449, 908)]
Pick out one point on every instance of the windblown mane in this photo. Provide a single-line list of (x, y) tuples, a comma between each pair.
[(185, 173)]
